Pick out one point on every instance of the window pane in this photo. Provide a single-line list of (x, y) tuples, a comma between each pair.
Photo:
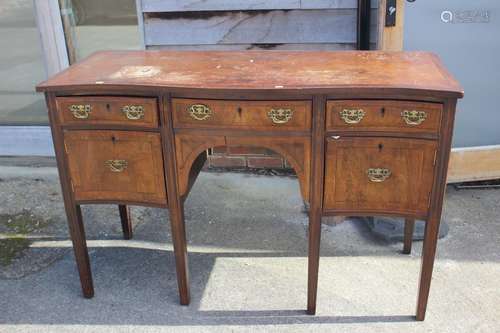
[(93, 25), (21, 65)]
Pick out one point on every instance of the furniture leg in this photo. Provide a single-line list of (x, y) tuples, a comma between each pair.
[(408, 237), (76, 229), (313, 260), (180, 251), (428, 254), (126, 221)]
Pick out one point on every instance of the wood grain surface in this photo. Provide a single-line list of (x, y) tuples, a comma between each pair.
[(383, 115), (259, 70), (406, 191), (245, 115), (141, 181)]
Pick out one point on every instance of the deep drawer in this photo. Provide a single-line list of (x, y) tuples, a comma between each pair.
[(116, 166), (383, 115), (251, 115), (385, 175), (103, 110)]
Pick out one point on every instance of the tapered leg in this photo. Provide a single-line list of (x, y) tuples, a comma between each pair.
[(314, 245), (126, 221), (428, 254), (408, 237), (75, 222), (180, 251)]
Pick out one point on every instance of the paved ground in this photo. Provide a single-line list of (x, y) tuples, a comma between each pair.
[(247, 242)]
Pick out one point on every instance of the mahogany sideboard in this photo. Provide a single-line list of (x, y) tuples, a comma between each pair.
[(367, 133)]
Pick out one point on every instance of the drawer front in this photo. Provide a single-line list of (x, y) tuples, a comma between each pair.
[(116, 166), (383, 116), (92, 110), (251, 115), (379, 175)]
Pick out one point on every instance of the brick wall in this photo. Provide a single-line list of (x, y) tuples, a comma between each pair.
[(245, 157)]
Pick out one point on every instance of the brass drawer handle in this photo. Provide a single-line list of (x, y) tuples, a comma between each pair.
[(413, 117), (80, 111), (116, 165), (352, 116), (200, 111), (378, 175), (133, 112), (280, 116)]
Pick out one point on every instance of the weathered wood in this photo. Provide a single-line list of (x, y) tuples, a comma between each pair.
[(474, 163), (266, 76), (252, 27), (391, 38), (390, 72), (209, 5), (271, 46)]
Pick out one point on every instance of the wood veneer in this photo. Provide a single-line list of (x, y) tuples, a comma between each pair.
[(108, 110), (330, 158)]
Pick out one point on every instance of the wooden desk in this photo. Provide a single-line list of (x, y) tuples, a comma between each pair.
[(368, 133)]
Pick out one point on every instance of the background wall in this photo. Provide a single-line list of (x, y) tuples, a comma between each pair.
[(466, 35)]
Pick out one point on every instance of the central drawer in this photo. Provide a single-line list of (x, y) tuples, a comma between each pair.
[(379, 175), (245, 115), (116, 166)]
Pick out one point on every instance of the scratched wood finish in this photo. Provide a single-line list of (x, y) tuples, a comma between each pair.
[(141, 181), (297, 71), (108, 111), (406, 191), (246, 115), (331, 166), (383, 115)]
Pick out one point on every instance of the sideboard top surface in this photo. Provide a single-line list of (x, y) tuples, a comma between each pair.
[(259, 70)]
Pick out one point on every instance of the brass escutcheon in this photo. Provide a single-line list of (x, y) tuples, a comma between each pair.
[(116, 165), (413, 117), (352, 116), (80, 111), (378, 175), (133, 112), (200, 111), (280, 116)]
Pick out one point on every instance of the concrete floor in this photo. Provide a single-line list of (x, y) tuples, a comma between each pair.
[(248, 244)]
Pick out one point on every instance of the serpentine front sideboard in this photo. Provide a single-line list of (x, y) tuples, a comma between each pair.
[(367, 133)]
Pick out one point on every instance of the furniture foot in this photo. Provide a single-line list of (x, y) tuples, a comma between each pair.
[(408, 235), (180, 251), (126, 221), (313, 260), (77, 232), (428, 254)]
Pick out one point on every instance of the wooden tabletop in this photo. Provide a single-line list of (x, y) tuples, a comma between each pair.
[(259, 70)]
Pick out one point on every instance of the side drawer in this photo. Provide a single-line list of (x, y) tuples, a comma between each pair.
[(116, 166), (252, 115), (383, 115), (103, 110), (379, 175)]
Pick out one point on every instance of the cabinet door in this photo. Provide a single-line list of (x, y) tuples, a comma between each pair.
[(379, 175), (121, 166)]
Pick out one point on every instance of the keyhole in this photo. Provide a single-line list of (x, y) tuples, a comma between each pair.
[(382, 111), (107, 107), (113, 139), (380, 146), (239, 110)]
